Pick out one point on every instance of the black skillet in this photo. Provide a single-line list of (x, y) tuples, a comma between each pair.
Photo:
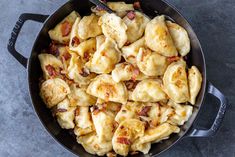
[(149, 7)]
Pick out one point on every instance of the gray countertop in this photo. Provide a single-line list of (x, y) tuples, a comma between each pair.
[(21, 133)]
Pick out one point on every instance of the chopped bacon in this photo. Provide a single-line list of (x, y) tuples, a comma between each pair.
[(53, 49), (173, 59), (130, 85), (86, 56), (136, 5), (66, 56), (66, 28), (61, 110), (84, 72), (144, 111), (75, 41), (95, 110), (77, 112), (51, 70), (134, 153), (136, 72), (131, 15), (127, 43), (123, 140)]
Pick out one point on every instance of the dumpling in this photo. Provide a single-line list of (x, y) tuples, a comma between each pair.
[(136, 23), (127, 132), (114, 27), (86, 49), (105, 58), (158, 38), (176, 83), (143, 147), (83, 121), (92, 145), (53, 91), (78, 72), (182, 113), (61, 32), (128, 111), (126, 71), (180, 37), (195, 82), (158, 133), (104, 123), (88, 27), (75, 40), (50, 65), (148, 90), (130, 52), (65, 115), (104, 87), (79, 97), (165, 113), (151, 63), (120, 8)]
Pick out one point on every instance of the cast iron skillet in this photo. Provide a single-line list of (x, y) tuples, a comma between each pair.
[(149, 7)]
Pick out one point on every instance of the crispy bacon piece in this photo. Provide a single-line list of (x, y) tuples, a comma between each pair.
[(75, 41), (136, 72), (173, 59), (84, 72), (86, 56), (144, 111), (123, 140), (131, 15), (130, 85), (61, 110), (127, 43), (66, 56), (53, 49), (66, 28), (77, 112), (51, 70), (136, 5)]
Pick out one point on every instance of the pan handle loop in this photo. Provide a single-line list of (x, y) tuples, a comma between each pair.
[(211, 89), (15, 32)]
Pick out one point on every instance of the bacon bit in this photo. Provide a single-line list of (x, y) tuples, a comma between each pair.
[(61, 110), (53, 49), (111, 154), (136, 72), (173, 59), (95, 110), (77, 112), (130, 85), (84, 72), (121, 127), (123, 140), (136, 5), (66, 56), (127, 43), (75, 41), (131, 15), (86, 56), (66, 28), (134, 153), (51, 70), (144, 111)]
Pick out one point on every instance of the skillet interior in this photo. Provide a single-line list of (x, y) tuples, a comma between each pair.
[(65, 137)]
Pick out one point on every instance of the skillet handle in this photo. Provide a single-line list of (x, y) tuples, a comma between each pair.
[(211, 89), (15, 32)]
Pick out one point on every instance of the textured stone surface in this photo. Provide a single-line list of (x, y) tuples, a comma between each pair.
[(21, 133)]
